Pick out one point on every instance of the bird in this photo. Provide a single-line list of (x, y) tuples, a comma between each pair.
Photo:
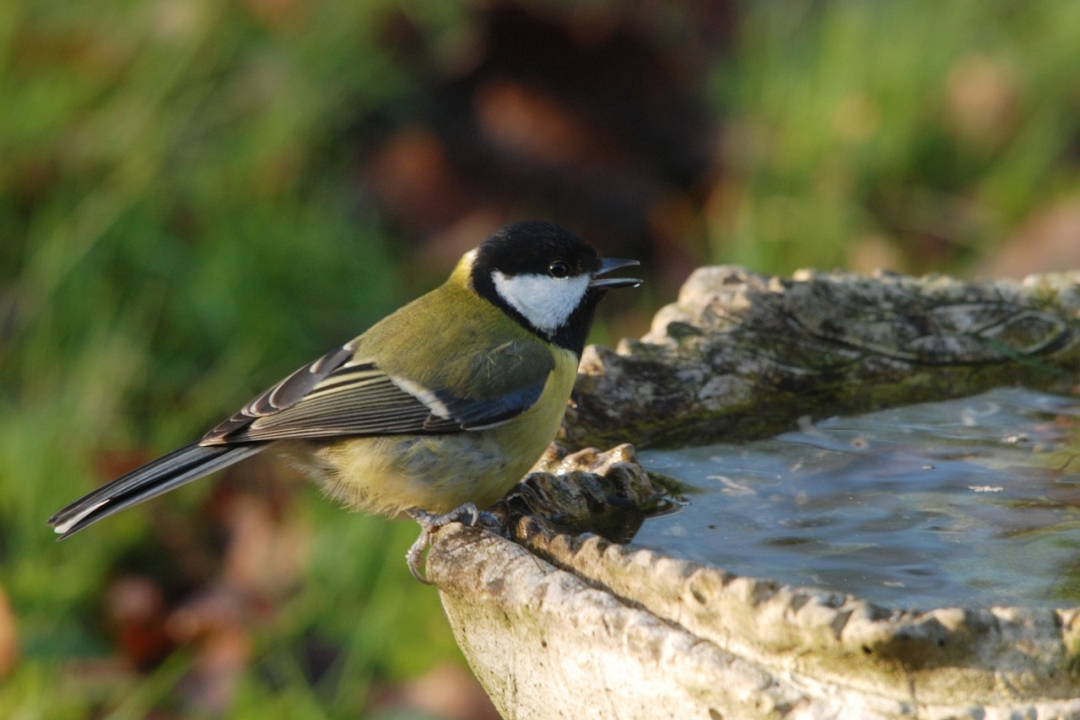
[(438, 409)]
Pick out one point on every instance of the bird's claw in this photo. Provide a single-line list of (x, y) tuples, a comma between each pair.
[(429, 523)]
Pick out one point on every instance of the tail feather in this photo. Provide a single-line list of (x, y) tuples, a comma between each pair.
[(168, 472)]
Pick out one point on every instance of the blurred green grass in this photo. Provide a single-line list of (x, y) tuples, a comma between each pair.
[(936, 128), (173, 235), (180, 226)]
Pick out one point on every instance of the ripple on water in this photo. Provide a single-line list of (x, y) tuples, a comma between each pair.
[(970, 502)]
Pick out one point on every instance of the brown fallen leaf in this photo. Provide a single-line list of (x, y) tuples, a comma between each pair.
[(266, 556), (136, 611), (9, 636), (215, 625), (447, 691)]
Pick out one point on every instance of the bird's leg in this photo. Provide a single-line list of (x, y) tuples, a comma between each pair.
[(429, 523)]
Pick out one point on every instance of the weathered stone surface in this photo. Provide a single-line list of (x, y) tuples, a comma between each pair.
[(562, 627), (546, 645), (743, 355), (605, 493), (557, 626)]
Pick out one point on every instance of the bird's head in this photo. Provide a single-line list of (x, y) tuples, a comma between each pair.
[(546, 278)]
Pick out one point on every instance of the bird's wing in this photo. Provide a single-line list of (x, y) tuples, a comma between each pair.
[(341, 395)]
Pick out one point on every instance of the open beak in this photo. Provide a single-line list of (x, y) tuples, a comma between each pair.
[(606, 266)]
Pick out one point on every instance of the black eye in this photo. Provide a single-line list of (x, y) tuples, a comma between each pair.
[(558, 269)]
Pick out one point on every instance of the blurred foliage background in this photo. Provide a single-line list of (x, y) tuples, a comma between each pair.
[(196, 197)]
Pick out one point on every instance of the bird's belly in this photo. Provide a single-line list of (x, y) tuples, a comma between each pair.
[(436, 473)]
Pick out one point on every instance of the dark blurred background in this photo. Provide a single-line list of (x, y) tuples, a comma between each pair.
[(196, 197)]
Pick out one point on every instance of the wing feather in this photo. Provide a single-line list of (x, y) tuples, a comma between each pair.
[(283, 395), (346, 397)]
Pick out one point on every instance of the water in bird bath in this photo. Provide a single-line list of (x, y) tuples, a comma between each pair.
[(971, 502)]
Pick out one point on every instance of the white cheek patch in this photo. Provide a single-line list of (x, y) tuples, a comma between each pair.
[(546, 302)]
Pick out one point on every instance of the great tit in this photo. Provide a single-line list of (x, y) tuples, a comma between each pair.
[(438, 408)]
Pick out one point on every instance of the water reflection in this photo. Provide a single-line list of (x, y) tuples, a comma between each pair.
[(970, 502)]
